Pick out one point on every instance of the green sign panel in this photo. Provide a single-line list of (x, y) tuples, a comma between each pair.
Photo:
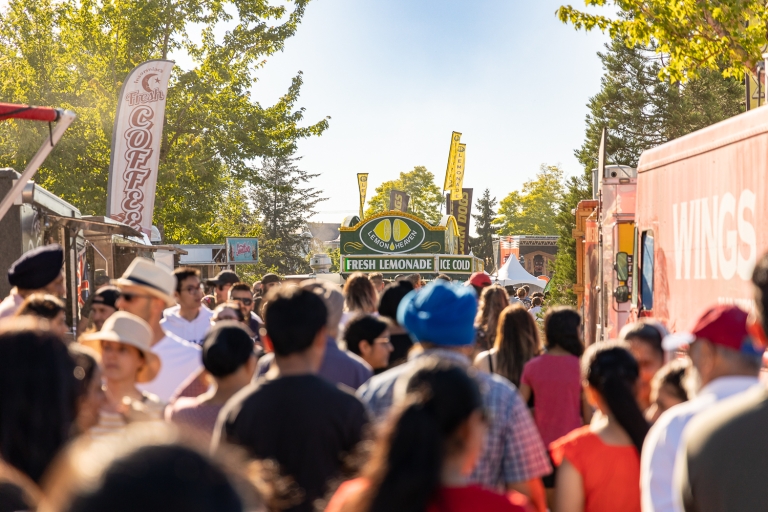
[(392, 235), (455, 264), (397, 233), (395, 264)]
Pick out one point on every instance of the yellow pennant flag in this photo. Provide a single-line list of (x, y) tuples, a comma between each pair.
[(362, 184), (458, 180), (450, 170)]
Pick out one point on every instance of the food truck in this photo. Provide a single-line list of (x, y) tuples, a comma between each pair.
[(679, 234)]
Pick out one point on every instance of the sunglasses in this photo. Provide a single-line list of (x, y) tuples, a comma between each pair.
[(245, 301), (130, 296)]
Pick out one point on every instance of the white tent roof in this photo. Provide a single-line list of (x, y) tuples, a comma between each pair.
[(512, 272)]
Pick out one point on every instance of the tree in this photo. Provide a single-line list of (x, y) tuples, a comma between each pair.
[(577, 189), (532, 210), (482, 244), (285, 205), (76, 54), (642, 112), (727, 36), (426, 198)]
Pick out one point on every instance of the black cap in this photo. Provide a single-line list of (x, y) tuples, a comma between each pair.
[(223, 277), (270, 278), (106, 295), (37, 268)]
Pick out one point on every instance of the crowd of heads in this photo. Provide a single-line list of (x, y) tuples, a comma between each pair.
[(168, 398)]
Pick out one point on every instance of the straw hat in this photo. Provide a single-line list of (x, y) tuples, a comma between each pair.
[(152, 278), (123, 327)]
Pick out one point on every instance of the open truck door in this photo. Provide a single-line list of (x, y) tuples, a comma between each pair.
[(62, 118)]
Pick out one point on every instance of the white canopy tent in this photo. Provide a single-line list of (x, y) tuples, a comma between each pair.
[(512, 272)]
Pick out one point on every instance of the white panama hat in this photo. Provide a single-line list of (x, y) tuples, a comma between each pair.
[(128, 329), (146, 274)]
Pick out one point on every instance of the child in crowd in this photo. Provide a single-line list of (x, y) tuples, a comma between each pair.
[(668, 388)]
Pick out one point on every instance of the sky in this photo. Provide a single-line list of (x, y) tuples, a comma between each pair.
[(398, 76)]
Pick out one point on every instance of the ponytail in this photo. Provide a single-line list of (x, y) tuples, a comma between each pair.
[(405, 468), (612, 371)]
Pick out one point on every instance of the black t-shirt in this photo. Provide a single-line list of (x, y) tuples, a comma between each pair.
[(304, 423)]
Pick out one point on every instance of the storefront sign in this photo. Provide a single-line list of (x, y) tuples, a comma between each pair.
[(392, 235), (395, 264), (454, 264), (242, 250)]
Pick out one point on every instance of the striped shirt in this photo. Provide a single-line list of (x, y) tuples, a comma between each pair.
[(149, 408)]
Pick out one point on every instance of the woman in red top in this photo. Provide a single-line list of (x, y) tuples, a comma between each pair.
[(599, 464), (429, 448)]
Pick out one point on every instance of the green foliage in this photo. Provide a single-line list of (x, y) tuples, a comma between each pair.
[(335, 255), (285, 205), (642, 112), (419, 183), (482, 244), (531, 211), (561, 289), (727, 36), (76, 54)]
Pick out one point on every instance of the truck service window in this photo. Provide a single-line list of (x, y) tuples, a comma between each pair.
[(646, 278)]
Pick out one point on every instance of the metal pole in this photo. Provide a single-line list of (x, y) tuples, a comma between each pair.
[(66, 119), (765, 75)]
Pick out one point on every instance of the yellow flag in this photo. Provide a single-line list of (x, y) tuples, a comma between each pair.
[(460, 165), (449, 171), (362, 184)]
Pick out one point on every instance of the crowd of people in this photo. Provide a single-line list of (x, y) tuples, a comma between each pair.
[(378, 396)]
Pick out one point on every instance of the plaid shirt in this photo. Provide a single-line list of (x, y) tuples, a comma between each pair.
[(513, 452)]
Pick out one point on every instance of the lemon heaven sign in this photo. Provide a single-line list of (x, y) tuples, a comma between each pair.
[(391, 235)]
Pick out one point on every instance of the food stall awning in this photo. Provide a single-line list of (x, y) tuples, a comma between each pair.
[(92, 225), (128, 243)]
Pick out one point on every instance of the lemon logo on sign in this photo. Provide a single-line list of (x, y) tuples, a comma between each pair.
[(392, 235)]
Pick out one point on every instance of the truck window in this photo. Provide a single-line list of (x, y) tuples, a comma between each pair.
[(646, 278)]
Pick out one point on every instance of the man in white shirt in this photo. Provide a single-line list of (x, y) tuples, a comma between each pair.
[(146, 290), (188, 319), (727, 362)]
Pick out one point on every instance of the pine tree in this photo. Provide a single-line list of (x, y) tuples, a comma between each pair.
[(482, 244), (640, 112), (284, 205)]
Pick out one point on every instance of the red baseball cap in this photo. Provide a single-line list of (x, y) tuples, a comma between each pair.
[(723, 325), (479, 279)]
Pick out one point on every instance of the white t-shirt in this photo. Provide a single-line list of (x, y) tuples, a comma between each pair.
[(179, 360), (193, 331)]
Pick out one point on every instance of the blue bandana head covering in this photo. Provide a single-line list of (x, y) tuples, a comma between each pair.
[(441, 313)]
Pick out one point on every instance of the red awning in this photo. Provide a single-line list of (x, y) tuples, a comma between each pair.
[(10, 111)]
